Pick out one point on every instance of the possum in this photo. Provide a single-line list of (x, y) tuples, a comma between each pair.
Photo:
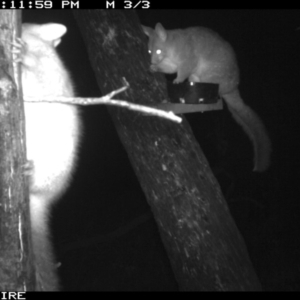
[(201, 55), (52, 134)]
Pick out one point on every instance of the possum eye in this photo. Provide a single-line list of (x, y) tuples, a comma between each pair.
[(158, 51), (149, 51)]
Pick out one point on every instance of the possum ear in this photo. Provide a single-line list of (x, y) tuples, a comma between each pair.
[(147, 30), (52, 32), (161, 31)]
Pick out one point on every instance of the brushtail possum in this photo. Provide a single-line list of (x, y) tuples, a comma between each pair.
[(201, 55), (52, 133)]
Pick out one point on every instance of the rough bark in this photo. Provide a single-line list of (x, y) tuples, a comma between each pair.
[(204, 246), (16, 267)]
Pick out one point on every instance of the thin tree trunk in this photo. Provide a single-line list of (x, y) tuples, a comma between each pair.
[(16, 264)]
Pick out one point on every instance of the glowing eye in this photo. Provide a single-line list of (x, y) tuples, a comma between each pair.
[(149, 51), (158, 51)]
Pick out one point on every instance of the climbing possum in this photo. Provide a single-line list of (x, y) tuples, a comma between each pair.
[(52, 133), (201, 55)]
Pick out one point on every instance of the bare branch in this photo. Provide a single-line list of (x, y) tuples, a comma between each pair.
[(108, 101)]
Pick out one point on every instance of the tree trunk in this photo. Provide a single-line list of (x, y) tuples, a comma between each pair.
[(16, 264), (204, 246)]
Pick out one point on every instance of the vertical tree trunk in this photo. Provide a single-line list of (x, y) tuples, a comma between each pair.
[(16, 268), (203, 244)]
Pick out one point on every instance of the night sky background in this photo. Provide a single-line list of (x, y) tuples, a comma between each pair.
[(103, 231)]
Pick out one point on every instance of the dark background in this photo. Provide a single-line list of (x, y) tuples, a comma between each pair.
[(103, 229)]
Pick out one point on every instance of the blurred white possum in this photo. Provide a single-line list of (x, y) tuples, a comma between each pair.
[(52, 134)]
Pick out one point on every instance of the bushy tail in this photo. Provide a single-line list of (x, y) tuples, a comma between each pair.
[(254, 127)]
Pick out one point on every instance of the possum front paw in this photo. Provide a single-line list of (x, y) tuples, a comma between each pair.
[(180, 78), (28, 168), (19, 49)]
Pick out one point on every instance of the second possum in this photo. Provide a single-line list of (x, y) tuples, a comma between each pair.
[(201, 55)]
